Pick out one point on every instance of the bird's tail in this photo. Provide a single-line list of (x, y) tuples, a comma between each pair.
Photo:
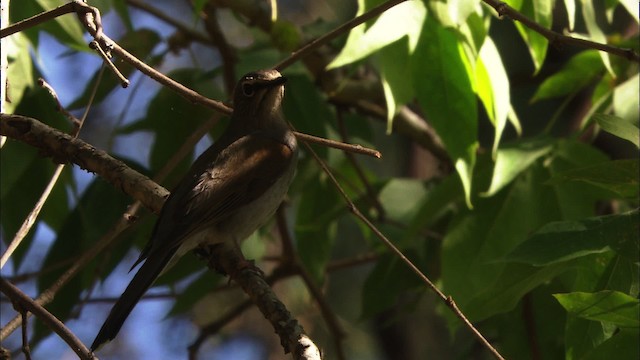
[(143, 279)]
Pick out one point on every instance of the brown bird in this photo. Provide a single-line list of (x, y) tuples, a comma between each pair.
[(233, 188)]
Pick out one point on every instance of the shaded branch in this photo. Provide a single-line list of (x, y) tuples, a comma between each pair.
[(228, 257), (64, 148), (25, 302)]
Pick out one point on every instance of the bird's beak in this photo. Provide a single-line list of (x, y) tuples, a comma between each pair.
[(269, 84)]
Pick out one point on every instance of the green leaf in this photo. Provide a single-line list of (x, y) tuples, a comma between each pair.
[(607, 306), (575, 200), (443, 88), (565, 240), (389, 279), (512, 283), (619, 176), (512, 160), (578, 72), (626, 103), (619, 127), (582, 336), (492, 86), (316, 225), (476, 241), (474, 272), (402, 198), (306, 108), (623, 344), (404, 19)]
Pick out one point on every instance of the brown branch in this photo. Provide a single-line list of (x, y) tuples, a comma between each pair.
[(553, 37), (51, 321)]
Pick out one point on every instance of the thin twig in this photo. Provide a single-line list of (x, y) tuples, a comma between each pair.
[(25, 331), (27, 224), (553, 37), (124, 82), (192, 34), (338, 145), (446, 299)]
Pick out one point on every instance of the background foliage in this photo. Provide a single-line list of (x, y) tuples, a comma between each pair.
[(516, 189)]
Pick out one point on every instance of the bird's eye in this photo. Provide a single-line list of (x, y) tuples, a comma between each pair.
[(248, 89)]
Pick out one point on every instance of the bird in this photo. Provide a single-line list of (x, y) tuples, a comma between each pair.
[(232, 189)]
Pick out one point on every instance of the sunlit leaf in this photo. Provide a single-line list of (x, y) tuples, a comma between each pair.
[(595, 32), (570, 6), (632, 8), (626, 103), (401, 20), (493, 90)]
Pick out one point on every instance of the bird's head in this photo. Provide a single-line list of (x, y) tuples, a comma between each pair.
[(259, 95)]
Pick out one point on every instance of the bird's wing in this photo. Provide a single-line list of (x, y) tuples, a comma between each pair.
[(241, 173)]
